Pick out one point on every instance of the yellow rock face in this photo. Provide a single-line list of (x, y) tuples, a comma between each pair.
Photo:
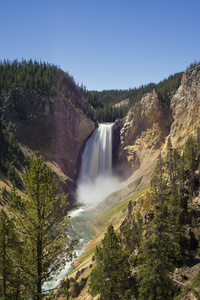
[(144, 131), (185, 107)]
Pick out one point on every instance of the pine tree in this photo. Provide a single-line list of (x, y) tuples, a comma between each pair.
[(158, 183), (176, 181), (191, 164), (158, 250), (40, 220), (110, 278), (9, 280), (155, 263), (170, 161)]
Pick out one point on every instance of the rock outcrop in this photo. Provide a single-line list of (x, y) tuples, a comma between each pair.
[(185, 105), (141, 134)]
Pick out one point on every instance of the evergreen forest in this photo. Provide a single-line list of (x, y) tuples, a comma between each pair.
[(50, 81)]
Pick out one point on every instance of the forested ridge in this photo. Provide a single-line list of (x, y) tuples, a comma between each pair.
[(43, 78), (49, 80), (104, 101), (166, 88)]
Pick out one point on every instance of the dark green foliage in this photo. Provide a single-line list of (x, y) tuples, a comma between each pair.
[(191, 164), (94, 100), (166, 244), (13, 159), (43, 78), (4, 192), (110, 278), (194, 64), (40, 220), (103, 102), (166, 88), (154, 265), (131, 231), (109, 113), (49, 80), (9, 275), (158, 250), (105, 111)]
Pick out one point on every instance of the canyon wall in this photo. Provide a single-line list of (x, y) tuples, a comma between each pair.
[(185, 105), (52, 126), (142, 134)]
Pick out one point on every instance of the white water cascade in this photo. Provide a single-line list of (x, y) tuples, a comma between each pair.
[(95, 182), (97, 156)]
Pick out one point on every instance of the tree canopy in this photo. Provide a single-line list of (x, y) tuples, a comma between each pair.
[(110, 278)]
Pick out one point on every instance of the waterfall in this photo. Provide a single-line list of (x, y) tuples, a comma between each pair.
[(96, 180), (97, 155)]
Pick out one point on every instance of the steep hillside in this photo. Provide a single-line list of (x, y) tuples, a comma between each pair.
[(43, 109), (49, 125)]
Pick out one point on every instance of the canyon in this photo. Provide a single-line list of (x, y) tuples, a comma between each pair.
[(59, 131)]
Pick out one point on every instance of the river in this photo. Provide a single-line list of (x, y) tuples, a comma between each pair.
[(95, 182)]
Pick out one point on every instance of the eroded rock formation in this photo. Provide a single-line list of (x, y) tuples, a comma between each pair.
[(142, 134), (185, 105)]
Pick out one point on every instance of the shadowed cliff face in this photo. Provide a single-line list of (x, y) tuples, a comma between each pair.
[(142, 134), (49, 125)]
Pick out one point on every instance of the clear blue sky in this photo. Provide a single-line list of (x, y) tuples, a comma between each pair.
[(104, 44)]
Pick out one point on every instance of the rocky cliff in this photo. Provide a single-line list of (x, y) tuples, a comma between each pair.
[(185, 106), (50, 125), (142, 134)]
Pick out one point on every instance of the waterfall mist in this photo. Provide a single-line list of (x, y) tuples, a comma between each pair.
[(96, 180)]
